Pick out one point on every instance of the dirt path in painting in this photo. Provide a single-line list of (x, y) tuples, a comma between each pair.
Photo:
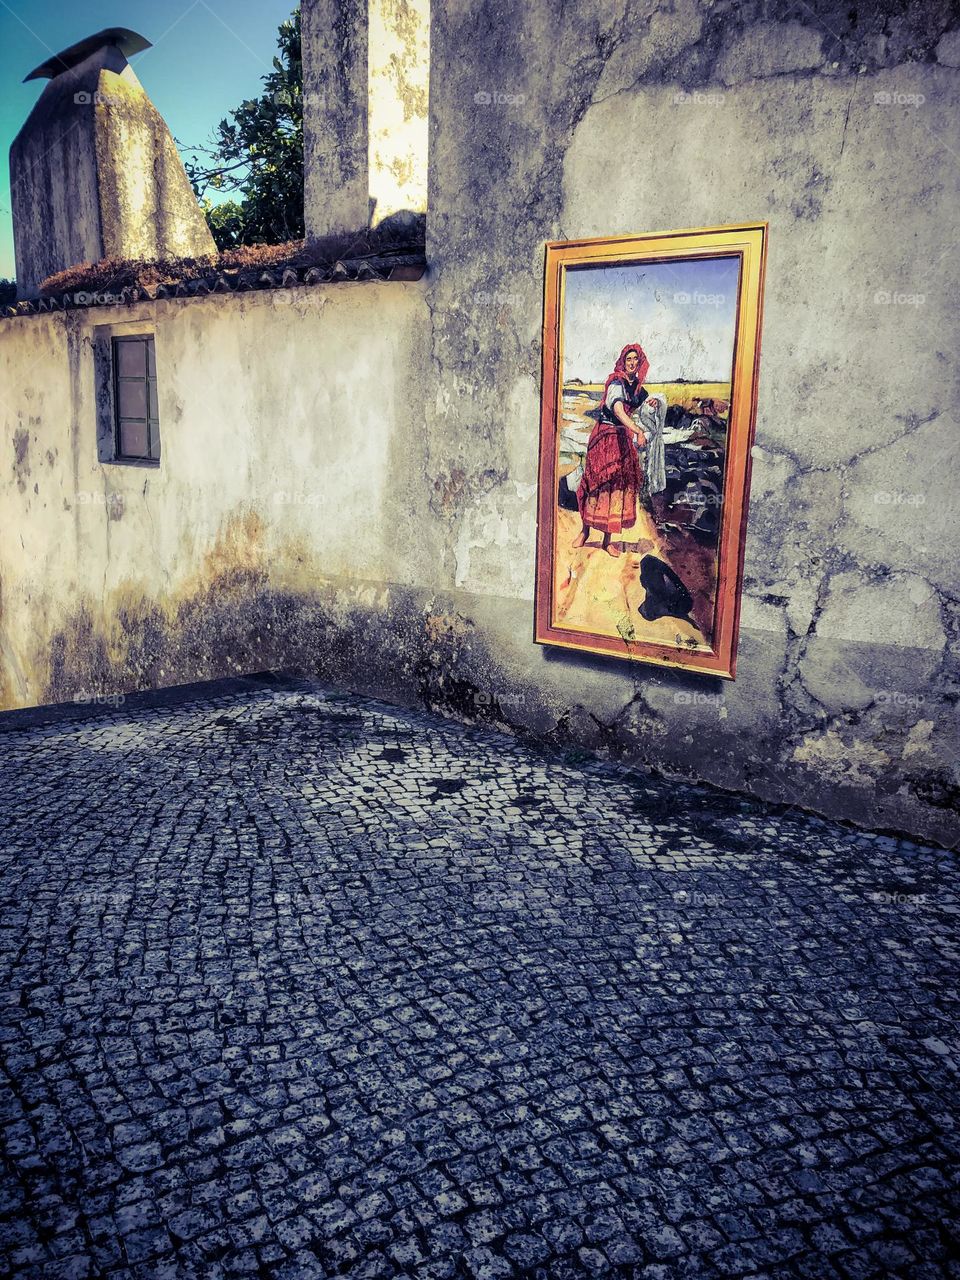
[(597, 593)]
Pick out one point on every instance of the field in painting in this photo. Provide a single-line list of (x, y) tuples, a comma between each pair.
[(600, 594), (676, 392)]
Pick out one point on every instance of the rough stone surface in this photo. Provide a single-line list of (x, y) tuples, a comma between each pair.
[(768, 49), (335, 159), (95, 173), (296, 985), (948, 50)]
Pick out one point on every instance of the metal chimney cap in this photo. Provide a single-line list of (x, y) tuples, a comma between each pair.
[(122, 38)]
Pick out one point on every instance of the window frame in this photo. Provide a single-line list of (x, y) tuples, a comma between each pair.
[(105, 405), (149, 382)]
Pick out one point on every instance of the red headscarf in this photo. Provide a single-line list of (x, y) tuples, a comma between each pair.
[(619, 371)]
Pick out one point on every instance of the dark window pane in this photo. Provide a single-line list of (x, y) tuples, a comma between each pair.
[(133, 399), (131, 358), (133, 440)]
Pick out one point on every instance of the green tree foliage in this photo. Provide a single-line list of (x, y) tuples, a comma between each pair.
[(227, 222), (258, 154)]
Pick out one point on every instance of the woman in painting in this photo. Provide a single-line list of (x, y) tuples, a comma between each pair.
[(612, 476)]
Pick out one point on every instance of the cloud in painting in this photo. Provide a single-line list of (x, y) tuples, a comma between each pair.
[(682, 313)]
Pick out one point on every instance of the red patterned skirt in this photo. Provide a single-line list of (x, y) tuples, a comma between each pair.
[(612, 479)]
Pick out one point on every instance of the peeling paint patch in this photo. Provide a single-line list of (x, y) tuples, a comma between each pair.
[(445, 626), (447, 491), (918, 742), (856, 762)]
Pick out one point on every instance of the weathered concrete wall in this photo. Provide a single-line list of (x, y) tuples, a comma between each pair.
[(336, 139), (282, 466), (401, 421), (94, 173), (366, 72), (591, 120), (56, 208), (398, 95), (147, 205)]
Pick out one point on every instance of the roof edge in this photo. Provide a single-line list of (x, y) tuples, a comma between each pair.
[(379, 269), (122, 38)]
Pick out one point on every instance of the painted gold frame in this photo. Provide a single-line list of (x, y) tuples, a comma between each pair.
[(749, 242)]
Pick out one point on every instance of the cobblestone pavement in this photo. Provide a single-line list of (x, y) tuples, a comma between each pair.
[(299, 985)]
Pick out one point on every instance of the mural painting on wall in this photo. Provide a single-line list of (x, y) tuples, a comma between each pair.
[(650, 354)]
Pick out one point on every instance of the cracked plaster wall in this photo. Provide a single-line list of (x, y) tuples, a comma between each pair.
[(837, 127)]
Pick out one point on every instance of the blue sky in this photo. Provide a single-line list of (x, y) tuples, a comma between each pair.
[(208, 56), (681, 313)]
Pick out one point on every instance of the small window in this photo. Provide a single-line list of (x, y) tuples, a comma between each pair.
[(137, 425)]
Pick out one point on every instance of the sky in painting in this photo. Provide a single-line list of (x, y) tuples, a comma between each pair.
[(207, 57), (681, 313)]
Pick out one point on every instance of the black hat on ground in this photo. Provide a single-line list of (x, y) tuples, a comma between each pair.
[(666, 595)]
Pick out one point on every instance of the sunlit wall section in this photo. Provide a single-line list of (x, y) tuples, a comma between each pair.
[(399, 76)]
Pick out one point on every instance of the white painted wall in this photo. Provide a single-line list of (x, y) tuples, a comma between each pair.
[(287, 423)]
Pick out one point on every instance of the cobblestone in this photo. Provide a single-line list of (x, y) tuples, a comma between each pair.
[(296, 984)]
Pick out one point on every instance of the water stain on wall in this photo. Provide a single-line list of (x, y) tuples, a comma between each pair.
[(21, 458)]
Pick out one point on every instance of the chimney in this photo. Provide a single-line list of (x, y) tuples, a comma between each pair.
[(94, 172)]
